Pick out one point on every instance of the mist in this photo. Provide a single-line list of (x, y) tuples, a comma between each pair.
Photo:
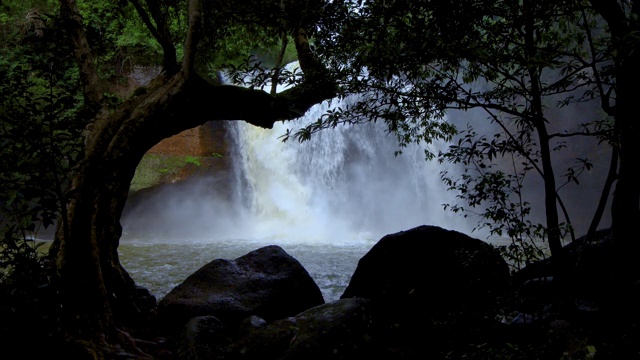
[(344, 185)]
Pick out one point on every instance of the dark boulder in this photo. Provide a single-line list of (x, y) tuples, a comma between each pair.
[(337, 330), (203, 337), (428, 282), (266, 282)]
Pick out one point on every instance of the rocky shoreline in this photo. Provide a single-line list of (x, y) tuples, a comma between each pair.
[(423, 293)]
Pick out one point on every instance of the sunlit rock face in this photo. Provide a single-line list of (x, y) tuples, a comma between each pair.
[(198, 152)]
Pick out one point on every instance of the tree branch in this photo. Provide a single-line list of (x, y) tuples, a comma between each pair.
[(163, 35), (200, 101), (309, 64), (146, 19), (191, 42), (275, 79), (317, 85), (152, 29), (92, 88), (227, 102)]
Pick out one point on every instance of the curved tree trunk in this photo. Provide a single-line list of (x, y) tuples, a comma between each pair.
[(98, 297), (95, 291)]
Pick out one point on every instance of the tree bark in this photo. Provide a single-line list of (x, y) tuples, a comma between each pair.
[(84, 57), (625, 207), (538, 121), (625, 211)]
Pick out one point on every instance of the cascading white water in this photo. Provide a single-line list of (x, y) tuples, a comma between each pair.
[(343, 185)]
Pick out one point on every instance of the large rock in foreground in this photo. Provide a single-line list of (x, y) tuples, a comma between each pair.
[(266, 282), (427, 279), (339, 330)]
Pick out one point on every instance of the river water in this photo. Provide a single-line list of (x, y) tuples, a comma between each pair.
[(161, 266)]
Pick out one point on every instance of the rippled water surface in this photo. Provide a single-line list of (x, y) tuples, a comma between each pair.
[(161, 266)]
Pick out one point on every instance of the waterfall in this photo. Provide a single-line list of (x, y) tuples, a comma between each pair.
[(342, 186), (345, 184)]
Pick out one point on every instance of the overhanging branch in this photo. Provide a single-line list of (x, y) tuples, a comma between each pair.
[(206, 102)]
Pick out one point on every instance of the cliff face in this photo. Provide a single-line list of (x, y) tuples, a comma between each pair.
[(200, 141), (200, 151), (186, 143)]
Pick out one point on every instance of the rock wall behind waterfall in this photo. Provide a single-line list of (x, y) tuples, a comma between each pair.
[(184, 186), (204, 150)]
